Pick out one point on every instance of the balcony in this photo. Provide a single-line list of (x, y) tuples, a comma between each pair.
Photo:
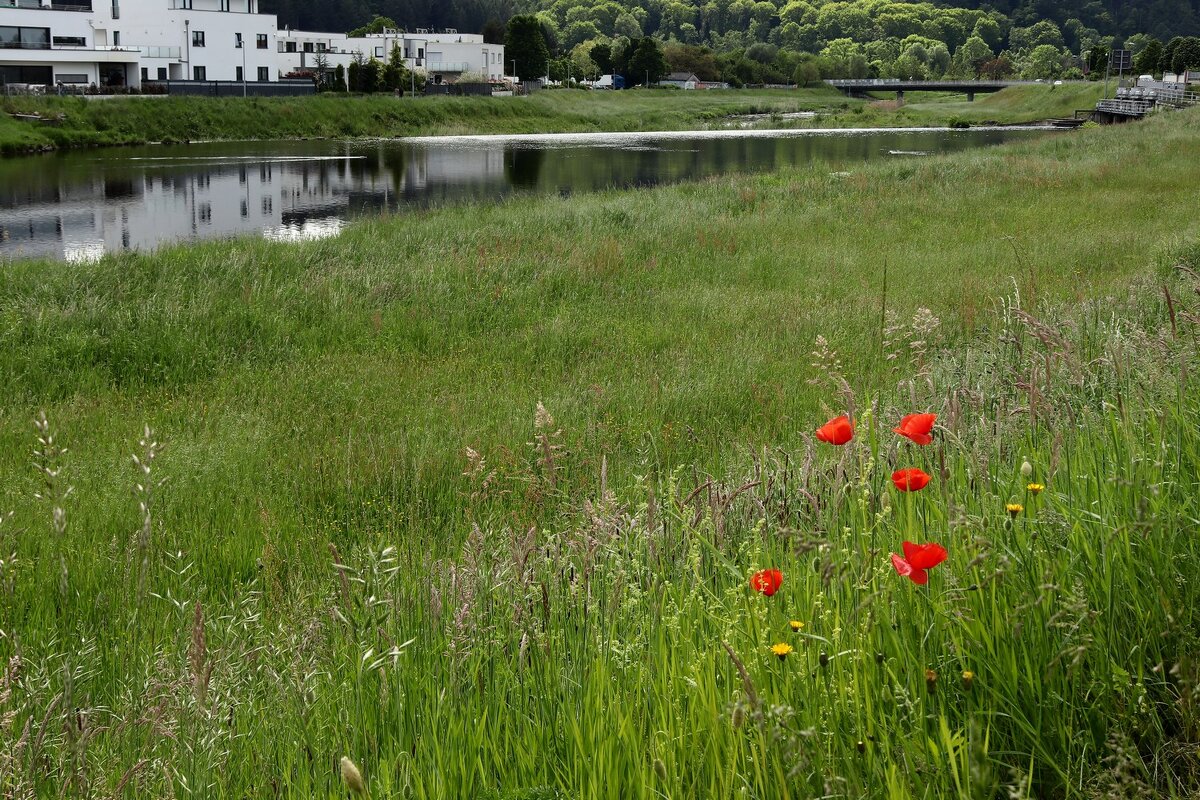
[(174, 53), (446, 66), (36, 5)]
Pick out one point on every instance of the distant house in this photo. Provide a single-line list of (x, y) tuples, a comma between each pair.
[(681, 80)]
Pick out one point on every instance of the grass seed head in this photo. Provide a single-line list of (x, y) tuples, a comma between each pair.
[(352, 777)]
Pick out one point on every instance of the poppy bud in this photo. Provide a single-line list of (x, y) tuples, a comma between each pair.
[(823, 659), (739, 717), (968, 680), (974, 587), (1026, 469), (879, 658), (930, 680), (660, 769)]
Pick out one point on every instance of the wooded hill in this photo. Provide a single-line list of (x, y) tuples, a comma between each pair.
[(713, 22)]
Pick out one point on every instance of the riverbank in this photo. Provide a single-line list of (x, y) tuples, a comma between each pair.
[(135, 120), (473, 496)]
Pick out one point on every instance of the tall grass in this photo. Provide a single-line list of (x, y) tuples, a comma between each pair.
[(473, 497), (137, 120)]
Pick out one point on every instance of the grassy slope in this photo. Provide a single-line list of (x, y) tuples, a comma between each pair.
[(138, 120), (325, 392)]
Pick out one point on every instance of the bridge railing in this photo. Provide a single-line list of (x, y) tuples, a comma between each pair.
[(866, 82)]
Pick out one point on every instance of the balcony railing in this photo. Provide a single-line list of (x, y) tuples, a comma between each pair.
[(24, 45), (37, 5), (447, 66), (175, 53)]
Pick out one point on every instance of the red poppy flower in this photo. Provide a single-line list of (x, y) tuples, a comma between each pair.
[(910, 480), (917, 427), (766, 581), (917, 560), (837, 431)]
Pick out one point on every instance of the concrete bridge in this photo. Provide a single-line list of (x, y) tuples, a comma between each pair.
[(969, 88)]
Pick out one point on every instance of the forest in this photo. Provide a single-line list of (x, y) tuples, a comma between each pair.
[(712, 21)]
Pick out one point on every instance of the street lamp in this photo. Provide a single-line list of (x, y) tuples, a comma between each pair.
[(240, 45)]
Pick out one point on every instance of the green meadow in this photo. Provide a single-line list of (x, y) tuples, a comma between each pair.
[(473, 497), (138, 120)]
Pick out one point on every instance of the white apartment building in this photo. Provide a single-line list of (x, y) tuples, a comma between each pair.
[(121, 43), (443, 56)]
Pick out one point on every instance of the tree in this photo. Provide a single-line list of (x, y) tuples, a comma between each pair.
[(377, 25), (646, 64), (689, 58), (1041, 33), (1186, 56), (339, 78), (1045, 62), (1149, 59), (394, 74), (371, 76), (973, 55), (807, 73), (601, 55), (493, 31), (627, 25), (762, 52), (526, 44)]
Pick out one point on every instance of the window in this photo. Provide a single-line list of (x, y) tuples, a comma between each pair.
[(240, 75), (116, 9), (71, 77), (308, 47), (116, 38), (199, 74), (162, 73), (264, 74), (197, 38), (290, 47), (24, 38), (237, 41), (70, 41), (320, 47), (224, 5), (262, 41), (35, 75), (145, 74), (185, 4)]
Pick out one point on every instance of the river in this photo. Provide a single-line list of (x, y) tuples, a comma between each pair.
[(77, 206)]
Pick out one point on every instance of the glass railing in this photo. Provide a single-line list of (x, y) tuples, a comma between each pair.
[(82, 5), (162, 52)]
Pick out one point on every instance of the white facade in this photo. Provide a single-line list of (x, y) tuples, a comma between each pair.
[(121, 43), (443, 57)]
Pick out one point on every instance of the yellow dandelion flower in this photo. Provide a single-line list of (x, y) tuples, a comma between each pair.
[(930, 679), (796, 625), (968, 679), (1014, 508), (782, 649), (1035, 488)]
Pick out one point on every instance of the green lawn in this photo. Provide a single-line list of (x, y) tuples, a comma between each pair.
[(539, 604)]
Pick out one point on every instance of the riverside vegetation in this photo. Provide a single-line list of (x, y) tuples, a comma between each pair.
[(179, 119), (471, 503)]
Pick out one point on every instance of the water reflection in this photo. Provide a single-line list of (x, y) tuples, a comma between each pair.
[(79, 206)]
